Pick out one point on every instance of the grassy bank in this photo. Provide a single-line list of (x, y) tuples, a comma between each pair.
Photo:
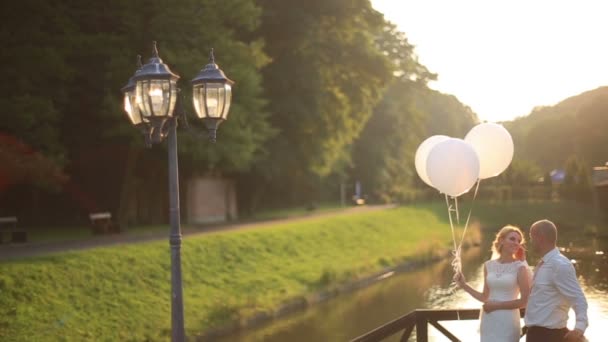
[(567, 215), (122, 293), (43, 234)]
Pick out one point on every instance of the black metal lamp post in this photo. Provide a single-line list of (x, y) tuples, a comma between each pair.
[(150, 98)]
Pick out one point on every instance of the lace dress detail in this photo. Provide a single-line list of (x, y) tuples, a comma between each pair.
[(501, 325)]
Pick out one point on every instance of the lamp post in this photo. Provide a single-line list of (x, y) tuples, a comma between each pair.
[(150, 97)]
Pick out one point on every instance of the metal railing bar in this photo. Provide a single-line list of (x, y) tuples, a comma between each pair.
[(444, 331), (407, 333), (422, 329), (449, 315), (419, 319), (388, 329)]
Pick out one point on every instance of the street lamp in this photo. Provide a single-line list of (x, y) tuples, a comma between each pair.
[(150, 97), (211, 96)]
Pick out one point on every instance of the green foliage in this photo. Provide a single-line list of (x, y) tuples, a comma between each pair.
[(68, 61), (519, 173), (389, 140), (446, 114), (395, 46), (523, 213), (575, 126), (577, 185), (69, 64), (326, 75), (570, 135), (332, 61), (35, 68)]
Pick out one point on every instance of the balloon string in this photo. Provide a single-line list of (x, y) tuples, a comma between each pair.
[(457, 261), (456, 264), (457, 212), (466, 225)]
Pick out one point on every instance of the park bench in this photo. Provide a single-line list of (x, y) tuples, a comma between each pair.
[(8, 226), (101, 223)]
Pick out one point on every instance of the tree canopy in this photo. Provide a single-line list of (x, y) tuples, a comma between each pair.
[(327, 92), (577, 126)]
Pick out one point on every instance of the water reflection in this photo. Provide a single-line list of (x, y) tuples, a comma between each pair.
[(350, 315)]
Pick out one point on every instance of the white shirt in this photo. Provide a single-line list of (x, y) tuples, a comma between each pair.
[(554, 290)]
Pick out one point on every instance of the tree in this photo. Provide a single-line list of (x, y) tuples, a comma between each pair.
[(326, 75), (34, 70), (577, 125), (69, 60), (409, 113), (577, 185)]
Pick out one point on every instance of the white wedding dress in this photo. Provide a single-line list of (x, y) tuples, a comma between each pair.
[(501, 325)]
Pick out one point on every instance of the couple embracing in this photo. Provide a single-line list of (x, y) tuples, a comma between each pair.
[(547, 294)]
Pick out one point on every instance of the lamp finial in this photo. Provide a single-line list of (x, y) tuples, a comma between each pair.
[(211, 57), (154, 49)]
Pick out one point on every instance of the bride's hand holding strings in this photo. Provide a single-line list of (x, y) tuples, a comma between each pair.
[(459, 279)]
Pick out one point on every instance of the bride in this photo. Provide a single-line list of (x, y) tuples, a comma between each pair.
[(505, 290)]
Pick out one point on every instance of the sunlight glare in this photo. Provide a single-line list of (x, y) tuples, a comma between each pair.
[(505, 58)]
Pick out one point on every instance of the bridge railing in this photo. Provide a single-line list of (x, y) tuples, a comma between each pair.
[(420, 319)]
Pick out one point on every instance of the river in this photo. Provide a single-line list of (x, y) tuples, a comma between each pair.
[(352, 314)]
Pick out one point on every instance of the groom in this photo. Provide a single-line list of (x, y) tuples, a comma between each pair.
[(555, 290)]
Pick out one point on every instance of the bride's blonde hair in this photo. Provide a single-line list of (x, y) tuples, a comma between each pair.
[(502, 233)]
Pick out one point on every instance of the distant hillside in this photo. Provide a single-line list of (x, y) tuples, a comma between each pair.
[(577, 126)]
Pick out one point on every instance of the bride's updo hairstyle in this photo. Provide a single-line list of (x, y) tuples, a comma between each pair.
[(502, 234)]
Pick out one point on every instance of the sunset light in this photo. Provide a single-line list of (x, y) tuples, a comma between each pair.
[(505, 58)]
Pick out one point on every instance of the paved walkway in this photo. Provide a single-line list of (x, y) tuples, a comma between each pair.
[(20, 251)]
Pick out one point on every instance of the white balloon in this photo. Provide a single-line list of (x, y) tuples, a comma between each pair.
[(453, 167), (422, 154), (494, 147)]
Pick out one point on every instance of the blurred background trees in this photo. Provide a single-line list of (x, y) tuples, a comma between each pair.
[(327, 93)]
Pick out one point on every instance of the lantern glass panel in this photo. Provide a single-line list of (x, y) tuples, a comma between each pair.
[(228, 99), (156, 98), (198, 98), (131, 108), (127, 106), (208, 99), (214, 96)]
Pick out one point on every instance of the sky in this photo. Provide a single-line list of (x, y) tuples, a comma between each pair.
[(503, 58)]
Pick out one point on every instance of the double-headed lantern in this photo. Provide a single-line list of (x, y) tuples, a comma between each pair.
[(151, 95)]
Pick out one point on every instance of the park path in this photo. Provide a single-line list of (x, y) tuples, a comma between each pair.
[(20, 251)]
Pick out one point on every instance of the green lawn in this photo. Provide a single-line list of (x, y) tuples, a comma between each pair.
[(523, 213), (55, 234), (122, 293), (272, 214)]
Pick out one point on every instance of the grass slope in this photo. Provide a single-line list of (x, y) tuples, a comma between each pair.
[(122, 293)]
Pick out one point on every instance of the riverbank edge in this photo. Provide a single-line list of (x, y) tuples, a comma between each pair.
[(301, 303)]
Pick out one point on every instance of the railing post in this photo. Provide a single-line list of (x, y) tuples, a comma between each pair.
[(422, 333)]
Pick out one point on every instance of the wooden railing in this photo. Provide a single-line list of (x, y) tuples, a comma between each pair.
[(420, 319)]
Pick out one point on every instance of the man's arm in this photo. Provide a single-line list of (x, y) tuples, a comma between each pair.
[(568, 286)]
